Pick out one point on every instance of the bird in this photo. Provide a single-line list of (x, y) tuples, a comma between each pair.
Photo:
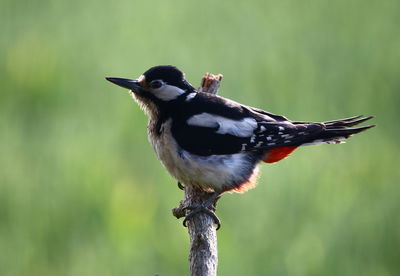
[(214, 143)]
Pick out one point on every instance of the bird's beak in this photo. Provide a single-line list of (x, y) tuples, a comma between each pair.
[(133, 85)]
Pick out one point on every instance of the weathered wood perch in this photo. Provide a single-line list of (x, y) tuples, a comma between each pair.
[(203, 255)]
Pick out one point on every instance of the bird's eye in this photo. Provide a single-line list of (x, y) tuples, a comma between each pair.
[(156, 84)]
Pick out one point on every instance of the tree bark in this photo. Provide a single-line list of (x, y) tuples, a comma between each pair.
[(203, 255)]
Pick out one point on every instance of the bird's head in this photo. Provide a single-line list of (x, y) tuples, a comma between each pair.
[(158, 85)]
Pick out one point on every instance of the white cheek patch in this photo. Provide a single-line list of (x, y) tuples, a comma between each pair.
[(167, 92), (240, 128)]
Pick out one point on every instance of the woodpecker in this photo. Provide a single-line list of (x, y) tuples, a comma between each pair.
[(214, 143)]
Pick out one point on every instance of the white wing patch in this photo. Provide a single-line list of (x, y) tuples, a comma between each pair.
[(240, 128), (190, 97), (167, 92)]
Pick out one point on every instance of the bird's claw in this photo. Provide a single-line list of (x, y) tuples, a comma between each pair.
[(203, 209), (180, 186)]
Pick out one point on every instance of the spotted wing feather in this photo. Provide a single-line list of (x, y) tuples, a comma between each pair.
[(282, 134), (272, 135)]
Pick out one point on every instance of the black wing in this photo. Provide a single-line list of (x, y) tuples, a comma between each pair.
[(273, 116), (205, 141), (212, 125), (202, 140), (205, 137), (271, 135), (223, 126)]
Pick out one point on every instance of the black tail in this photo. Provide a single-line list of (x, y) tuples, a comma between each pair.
[(348, 122), (336, 131)]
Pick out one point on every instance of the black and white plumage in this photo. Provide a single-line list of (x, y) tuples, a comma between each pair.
[(215, 143)]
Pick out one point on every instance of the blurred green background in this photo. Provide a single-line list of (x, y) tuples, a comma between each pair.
[(82, 193)]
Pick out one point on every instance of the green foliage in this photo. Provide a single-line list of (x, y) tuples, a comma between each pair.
[(81, 192)]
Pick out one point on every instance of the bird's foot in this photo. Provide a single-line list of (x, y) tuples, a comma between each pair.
[(209, 210), (180, 186)]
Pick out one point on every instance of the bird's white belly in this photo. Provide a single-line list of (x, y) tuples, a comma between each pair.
[(211, 173)]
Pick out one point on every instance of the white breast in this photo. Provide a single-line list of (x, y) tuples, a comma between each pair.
[(212, 173)]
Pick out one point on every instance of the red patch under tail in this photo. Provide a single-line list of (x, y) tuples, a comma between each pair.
[(278, 154)]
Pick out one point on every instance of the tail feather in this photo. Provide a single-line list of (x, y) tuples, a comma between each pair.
[(336, 131), (345, 119), (349, 122), (344, 132)]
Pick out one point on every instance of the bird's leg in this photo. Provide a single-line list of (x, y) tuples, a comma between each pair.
[(208, 207), (180, 186)]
